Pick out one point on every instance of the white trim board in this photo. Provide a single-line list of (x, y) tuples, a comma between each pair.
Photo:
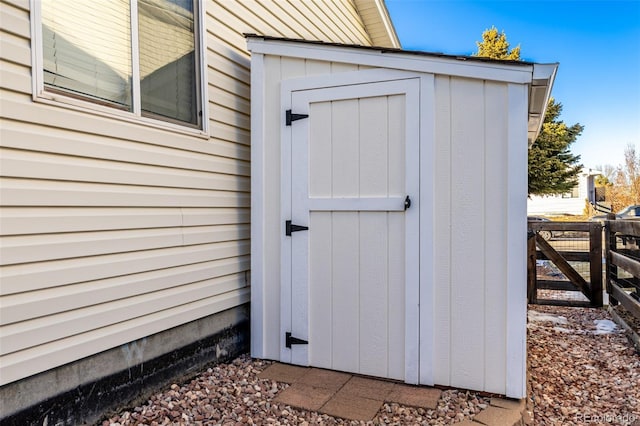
[(257, 211), (540, 77), (357, 204), (516, 73)]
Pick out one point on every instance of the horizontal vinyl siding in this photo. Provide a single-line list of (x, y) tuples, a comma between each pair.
[(40, 358), (112, 229)]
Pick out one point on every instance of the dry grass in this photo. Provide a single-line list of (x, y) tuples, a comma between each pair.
[(568, 218)]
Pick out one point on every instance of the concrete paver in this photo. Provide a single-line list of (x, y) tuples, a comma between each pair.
[(509, 404), (351, 407), (367, 388), (285, 373), (327, 379), (415, 396), (360, 398), (496, 416), (305, 396)]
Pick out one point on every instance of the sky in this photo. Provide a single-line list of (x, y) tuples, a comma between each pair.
[(596, 43)]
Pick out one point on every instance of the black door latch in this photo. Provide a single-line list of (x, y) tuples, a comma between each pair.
[(407, 202)]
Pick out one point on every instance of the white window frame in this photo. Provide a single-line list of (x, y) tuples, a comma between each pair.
[(40, 94)]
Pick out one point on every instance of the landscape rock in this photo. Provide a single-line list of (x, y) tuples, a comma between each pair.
[(578, 375)]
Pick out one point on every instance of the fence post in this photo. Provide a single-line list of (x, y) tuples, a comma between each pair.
[(610, 244), (532, 279), (595, 263)]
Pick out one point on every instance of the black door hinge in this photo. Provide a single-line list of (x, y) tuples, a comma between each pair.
[(290, 340), (407, 202), (291, 117), (290, 227)]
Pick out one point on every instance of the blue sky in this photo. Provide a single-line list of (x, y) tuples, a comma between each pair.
[(597, 44)]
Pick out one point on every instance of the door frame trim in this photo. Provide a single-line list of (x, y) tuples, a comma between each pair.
[(427, 225)]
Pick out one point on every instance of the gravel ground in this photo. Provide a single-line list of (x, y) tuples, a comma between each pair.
[(233, 394), (632, 321), (580, 373)]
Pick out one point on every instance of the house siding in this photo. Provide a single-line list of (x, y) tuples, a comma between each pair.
[(573, 203), (112, 229)]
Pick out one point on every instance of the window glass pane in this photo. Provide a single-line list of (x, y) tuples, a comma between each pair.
[(168, 72), (87, 49)]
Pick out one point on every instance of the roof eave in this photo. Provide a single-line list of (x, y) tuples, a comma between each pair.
[(377, 21), (539, 93)]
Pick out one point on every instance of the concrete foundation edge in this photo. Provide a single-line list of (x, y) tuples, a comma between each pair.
[(87, 390)]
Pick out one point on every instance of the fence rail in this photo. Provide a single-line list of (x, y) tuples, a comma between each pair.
[(622, 239)]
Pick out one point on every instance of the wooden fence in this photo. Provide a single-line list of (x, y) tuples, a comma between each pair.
[(551, 241), (622, 239)]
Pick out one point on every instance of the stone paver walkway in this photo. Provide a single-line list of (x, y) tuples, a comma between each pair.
[(358, 398)]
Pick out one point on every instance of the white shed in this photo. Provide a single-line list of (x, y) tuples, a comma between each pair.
[(388, 212)]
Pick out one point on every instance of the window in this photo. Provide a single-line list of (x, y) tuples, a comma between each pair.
[(140, 56)]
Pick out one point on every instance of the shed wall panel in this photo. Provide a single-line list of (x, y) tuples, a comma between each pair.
[(442, 233), (467, 236), (102, 213), (471, 233), (496, 235), (516, 306), (280, 69)]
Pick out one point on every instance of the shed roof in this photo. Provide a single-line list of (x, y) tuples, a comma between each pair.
[(538, 77)]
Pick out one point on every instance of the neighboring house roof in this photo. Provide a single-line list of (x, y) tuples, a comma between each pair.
[(377, 21)]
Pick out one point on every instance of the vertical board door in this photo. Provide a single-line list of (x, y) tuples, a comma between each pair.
[(351, 281)]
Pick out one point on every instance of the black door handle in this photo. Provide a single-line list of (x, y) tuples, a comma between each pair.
[(407, 202)]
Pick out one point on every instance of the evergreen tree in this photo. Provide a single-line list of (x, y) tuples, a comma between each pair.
[(553, 169), (494, 45)]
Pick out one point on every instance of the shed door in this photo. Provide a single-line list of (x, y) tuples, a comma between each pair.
[(352, 293)]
